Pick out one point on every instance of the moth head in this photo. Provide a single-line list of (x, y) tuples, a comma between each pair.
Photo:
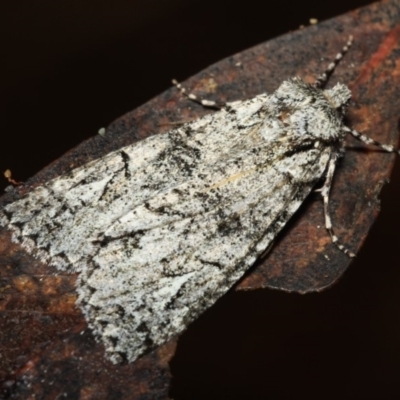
[(339, 96)]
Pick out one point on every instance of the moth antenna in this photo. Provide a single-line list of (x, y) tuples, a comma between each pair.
[(197, 99), (367, 140), (322, 79)]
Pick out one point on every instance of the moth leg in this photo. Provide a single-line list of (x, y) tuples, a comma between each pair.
[(322, 79), (200, 100), (367, 140), (325, 195)]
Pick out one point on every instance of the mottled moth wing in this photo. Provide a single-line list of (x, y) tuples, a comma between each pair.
[(161, 229)]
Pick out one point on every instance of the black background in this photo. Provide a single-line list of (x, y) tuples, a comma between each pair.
[(71, 67)]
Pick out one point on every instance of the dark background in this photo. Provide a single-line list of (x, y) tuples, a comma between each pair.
[(71, 67)]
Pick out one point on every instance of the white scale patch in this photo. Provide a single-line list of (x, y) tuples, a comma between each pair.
[(160, 229)]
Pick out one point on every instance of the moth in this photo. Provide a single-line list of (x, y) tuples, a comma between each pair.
[(160, 229)]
